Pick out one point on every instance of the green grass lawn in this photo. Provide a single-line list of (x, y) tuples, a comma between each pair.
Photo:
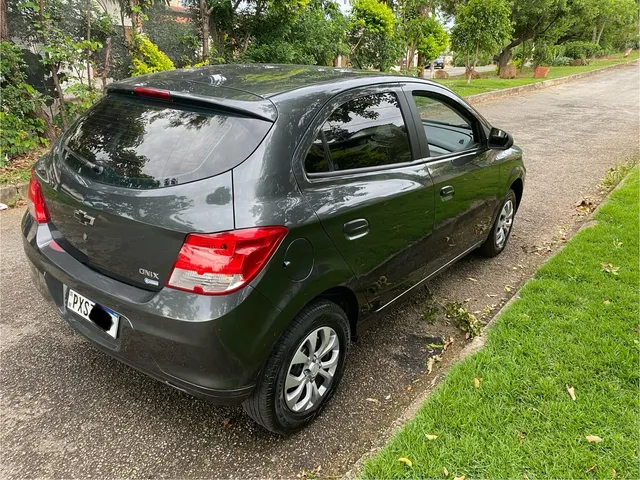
[(575, 324), (493, 82)]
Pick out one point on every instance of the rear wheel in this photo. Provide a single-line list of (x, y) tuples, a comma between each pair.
[(497, 239), (303, 370)]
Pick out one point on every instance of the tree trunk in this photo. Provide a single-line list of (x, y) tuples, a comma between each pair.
[(63, 107), (4, 26), (49, 129), (107, 61), (503, 59), (124, 30), (595, 34), (421, 65), (204, 29), (467, 69), (89, 39), (475, 58), (600, 33), (506, 53)]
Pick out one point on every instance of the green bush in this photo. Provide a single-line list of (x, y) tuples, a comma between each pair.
[(21, 131), (560, 61), (179, 41), (83, 98), (581, 50), (153, 59)]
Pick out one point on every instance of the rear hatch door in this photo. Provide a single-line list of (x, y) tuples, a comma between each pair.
[(133, 176)]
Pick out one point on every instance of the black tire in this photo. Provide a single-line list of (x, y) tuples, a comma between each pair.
[(492, 246), (267, 404)]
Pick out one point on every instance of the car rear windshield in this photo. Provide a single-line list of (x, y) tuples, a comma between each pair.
[(136, 143)]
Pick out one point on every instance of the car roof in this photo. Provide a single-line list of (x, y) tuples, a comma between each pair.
[(263, 80), (260, 90)]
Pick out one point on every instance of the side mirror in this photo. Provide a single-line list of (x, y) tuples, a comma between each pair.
[(499, 139)]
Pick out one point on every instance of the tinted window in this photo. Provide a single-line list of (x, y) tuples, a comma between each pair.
[(447, 130), (368, 131), (133, 143)]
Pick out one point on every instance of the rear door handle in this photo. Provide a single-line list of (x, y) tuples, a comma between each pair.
[(356, 229), (447, 192)]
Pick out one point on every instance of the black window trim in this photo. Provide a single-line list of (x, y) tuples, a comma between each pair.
[(344, 97), (425, 90)]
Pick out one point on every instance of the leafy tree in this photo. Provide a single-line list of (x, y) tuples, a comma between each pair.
[(180, 41), (481, 26), (372, 33), (152, 58), (21, 129), (316, 35), (533, 19), (426, 36), (592, 17)]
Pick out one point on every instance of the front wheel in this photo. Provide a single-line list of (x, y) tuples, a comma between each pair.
[(303, 370), (497, 239)]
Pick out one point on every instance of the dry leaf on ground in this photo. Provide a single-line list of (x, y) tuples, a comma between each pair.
[(430, 363), (591, 468), (430, 437), (593, 439), (460, 478), (374, 400), (406, 461), (571, 392), (445, 471), (476, 382)]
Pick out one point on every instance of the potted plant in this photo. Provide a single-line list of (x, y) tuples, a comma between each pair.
[(541, 61)]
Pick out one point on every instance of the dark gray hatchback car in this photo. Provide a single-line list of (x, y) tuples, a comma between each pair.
[(228, 229)]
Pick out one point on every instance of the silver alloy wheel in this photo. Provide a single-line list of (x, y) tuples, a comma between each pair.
[(311, 371), (505, 220)]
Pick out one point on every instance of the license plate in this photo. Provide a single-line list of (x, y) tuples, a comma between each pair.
[(97, 314)]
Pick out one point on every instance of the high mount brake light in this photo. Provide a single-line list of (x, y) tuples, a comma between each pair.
[(152, 92), (221, 263), (35, 201)]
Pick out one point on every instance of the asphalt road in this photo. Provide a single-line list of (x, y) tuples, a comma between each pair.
[(67, 410)]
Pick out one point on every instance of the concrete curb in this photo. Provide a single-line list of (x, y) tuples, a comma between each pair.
[(508, 92), (12, 192)]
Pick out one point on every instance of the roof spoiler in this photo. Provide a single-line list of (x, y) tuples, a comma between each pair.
[(255, 107)]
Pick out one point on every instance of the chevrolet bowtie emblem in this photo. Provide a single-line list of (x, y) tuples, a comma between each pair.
[(83, 218)]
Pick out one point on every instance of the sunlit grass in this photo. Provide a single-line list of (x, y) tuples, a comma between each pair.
[(575, 325)]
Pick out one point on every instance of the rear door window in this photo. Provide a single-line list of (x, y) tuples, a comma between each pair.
[(368, 131), (135, 143)]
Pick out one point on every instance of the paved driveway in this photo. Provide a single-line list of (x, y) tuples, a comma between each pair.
[(68, 410)]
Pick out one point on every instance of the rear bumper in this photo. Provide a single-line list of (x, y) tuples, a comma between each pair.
[(209, 346)]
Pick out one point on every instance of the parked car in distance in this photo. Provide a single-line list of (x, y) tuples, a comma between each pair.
[(229, 230), (438, 63)]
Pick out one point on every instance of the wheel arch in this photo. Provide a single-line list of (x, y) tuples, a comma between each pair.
[(346, 299), (518, 188)]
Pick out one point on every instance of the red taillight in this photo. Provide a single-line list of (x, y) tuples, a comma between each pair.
[(35, 201), (220, 263), (152, 92)]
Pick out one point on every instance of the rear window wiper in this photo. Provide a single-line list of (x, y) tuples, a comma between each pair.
[(98, 169)]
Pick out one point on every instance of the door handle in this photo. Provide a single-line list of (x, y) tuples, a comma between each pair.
[(447, 192), (355, 229)]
